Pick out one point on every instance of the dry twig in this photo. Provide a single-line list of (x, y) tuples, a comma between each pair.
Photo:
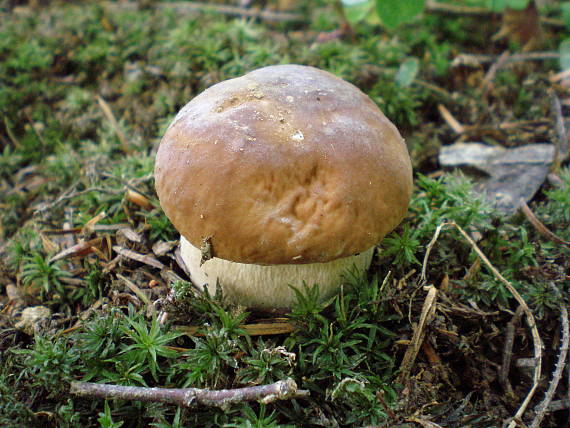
[(135, 289), (192, 397), (537, 342), (453, 123), (423, 278), (474, 59), (562, 146), (143, 258), (259, 329), (542, 408), (437, 7), (492, 72), (186, 7), (428, 311), (508, 350), (80, 249), (71, 193), (539, 226)]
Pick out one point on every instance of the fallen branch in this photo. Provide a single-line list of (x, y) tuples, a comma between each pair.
[(192, 397), (71, 193)]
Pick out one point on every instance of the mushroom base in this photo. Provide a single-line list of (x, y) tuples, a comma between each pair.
[(267, 287)]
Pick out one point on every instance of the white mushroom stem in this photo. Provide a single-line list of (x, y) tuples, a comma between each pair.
[(258, 286)]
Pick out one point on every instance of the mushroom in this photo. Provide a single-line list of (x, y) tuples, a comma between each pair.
[(286, 175)]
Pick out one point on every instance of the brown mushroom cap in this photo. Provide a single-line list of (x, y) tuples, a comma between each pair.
[(286, 164)]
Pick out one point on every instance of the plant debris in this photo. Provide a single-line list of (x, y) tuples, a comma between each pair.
[(465, 304)]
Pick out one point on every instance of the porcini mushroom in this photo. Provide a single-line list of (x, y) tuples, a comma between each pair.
[(287, 174)]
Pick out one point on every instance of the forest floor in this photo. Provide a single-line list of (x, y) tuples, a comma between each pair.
[(462, 320)]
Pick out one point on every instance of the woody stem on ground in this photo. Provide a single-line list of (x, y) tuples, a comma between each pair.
[(190, 397)]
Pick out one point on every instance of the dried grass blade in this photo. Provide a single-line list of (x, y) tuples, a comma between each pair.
[(80, 249), (537, 342), (143, 258), (539, 226)]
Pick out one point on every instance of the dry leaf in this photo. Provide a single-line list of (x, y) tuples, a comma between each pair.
[(522, 27)]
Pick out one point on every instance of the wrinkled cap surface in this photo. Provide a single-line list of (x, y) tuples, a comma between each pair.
[(286, 164)]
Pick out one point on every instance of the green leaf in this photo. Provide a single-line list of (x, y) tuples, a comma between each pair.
[(356, 10), (396, 12), (407, 72)]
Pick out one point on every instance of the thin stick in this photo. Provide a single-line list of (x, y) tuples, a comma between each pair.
[(428, 311), (508, 350), (492, 72), (453, 123), (529, 318), (423, 279), (561, 146), (147, 259), (450, 8), (135, 289), (435, 7), (542, 408), (187, 7), (259, 329), (539, 226), (191, 397), (520, 57), (71, 193)]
